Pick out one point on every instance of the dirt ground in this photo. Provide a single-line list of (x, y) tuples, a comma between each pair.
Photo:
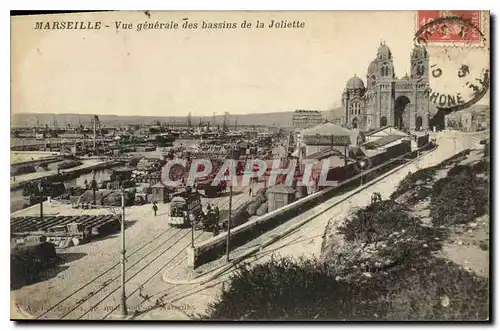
[(305, 242), (163, 245), (186, 301)]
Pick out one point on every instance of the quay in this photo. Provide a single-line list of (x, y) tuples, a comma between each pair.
[(76, 171)]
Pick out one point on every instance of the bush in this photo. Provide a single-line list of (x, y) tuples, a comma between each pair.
[(376, 222), (417, 186), (286, 289), (487, 149), (390, 236), (458, 198), (415, 181), (434, 290), (455, 159)]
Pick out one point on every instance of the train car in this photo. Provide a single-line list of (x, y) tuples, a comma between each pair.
[(184, 210), (212, 191)]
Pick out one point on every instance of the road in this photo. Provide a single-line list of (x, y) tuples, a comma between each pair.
[(304, 242), (154, 247), (86, 285)]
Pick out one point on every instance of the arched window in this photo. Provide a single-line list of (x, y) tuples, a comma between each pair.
[(383, 121), (354, 123), (386, 71), (419, 123), (355, 108), (420, 70)]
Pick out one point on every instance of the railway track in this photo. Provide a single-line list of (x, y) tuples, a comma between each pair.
[(92, 223), (137, 291), (95, 298), (174, 293)]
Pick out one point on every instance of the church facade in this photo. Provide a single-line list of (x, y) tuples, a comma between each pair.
[(387, 100)]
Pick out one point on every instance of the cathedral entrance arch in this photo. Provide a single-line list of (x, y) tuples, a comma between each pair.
[(383, 121), (399, 108), (419, 123), (355, 123)]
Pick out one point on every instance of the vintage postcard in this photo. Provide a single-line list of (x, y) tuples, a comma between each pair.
[(251, 166)]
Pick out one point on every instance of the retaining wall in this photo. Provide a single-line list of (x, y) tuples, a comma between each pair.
[(215, 247)]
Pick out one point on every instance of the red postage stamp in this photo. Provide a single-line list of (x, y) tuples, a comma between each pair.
[(452, 27)]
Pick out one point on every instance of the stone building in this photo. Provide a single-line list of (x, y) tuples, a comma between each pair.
[(387, 100)]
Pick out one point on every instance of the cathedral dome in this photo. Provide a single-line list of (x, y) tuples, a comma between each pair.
[(384, 51), (355, 83)]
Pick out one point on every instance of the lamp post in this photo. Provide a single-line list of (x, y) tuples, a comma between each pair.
[(94, 187), (191, 219), (123, 297), (229, 222), (121, 218), (40, 192)]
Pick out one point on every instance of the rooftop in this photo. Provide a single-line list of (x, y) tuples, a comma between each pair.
[(281, 188), (383, 141), (327, 129)]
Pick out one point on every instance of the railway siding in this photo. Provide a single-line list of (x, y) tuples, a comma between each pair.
[(34, 225)]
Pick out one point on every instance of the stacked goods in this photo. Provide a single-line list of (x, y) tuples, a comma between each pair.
[(262, 191), (238, 217), (69, 164), (106, 198), (257, 202), (252, 208), (134, 161), (262, 209), (145, 164), (76, 191)]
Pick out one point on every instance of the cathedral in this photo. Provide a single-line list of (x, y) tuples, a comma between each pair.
[(387, 100)]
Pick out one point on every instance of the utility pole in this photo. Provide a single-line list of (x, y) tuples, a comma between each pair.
[(40, 191), (229, 222), (418, 159), (94, 186), (345, 156), (192, 230), (123, 298), (95, 134)]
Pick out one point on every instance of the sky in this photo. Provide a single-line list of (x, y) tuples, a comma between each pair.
[(173, 72)]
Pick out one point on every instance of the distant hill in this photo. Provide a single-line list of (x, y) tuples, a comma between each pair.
[(268, 119), (280, 119)]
